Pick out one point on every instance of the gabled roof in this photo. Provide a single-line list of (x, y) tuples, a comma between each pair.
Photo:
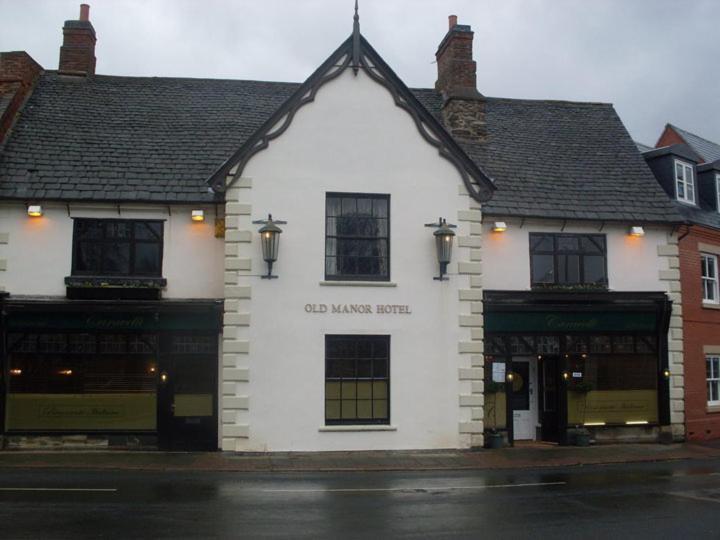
[(356, 53), (707, 150)]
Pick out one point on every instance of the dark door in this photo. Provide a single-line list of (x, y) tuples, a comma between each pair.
[(187, 403), (548, 396)]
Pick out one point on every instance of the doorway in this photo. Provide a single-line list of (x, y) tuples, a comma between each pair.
[(522, 398), (187, 403), (549, 397)]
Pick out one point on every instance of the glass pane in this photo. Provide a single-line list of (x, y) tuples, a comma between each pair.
[(332, 390), (592, 244), (88, 257), (364, 368), (594, 269), (147, 259), (332, 206), (364, 207), (340, 367), (364, 390), (117, 258), (541, 243), (681, 189), (89, 229), (148, 230), (568, 269), (348, 389), (349, 410), (380, 207), (330, 247), (380, 368), (678, 171), (331, 266), (567, 243), (364, 408), (380, 348), (364, 348), (380, 389), (332, 410), (380, 408), (542, 269), (349, 206), (117, 230), (600, 344)]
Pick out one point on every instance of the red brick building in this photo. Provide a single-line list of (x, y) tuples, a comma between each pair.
[(688, 168)]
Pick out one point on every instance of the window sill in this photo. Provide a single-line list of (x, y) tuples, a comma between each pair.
[(713, 409), (358, 284), (710, 305), (366, 427)]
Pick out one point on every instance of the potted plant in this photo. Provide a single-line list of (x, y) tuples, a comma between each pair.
[(580, 435), (495, 439)]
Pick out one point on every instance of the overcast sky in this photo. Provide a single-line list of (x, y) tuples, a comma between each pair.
[(656, 60)]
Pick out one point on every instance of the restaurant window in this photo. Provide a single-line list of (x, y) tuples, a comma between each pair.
[(709, 276), (713, 379), (568, 260), (114, 247), (357, 379), (81, 381), (357, 237)]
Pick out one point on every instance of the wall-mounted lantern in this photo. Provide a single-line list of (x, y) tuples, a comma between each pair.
[(666, 373), (35, 210), (269, 240), (198, 215), (444, 236), (636, 231)]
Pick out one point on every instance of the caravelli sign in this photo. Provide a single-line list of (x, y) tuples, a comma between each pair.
[(380, 309)]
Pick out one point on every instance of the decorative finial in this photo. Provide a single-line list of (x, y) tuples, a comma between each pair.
[(356, 40)]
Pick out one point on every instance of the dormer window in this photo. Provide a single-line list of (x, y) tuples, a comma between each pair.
[(684, 182)]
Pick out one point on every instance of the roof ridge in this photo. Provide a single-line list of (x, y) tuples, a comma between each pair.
[(154, 78), (693, 134)]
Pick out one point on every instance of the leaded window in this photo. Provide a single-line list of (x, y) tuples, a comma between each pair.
[(357, 379), (709, 273), (114, 247), (357, 237), (713, 379), (568, 260)]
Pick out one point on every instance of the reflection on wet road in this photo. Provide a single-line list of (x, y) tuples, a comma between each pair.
[(674, 499)]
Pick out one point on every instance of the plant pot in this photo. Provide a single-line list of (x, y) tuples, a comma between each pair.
[(495, 440), (582, 438)]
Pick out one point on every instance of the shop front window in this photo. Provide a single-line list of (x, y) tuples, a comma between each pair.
[(495, 410), (81, 382)]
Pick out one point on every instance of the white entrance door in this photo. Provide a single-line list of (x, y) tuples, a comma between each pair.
[(524, 399)]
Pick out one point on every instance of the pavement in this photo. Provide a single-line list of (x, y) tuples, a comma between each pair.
[(523, 456)]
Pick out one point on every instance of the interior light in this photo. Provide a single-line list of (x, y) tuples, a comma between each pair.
[(637, 231), (636, 422), (594, 424), (152, 369), (198, 215), (163, 377), (566, 375), (16, 371), (35, 210), (499, 226), (65, 372), (666, 373), (510, 376)]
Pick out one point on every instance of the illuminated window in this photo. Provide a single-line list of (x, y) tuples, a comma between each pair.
[(684, 182), (357, 379), (709, 273)]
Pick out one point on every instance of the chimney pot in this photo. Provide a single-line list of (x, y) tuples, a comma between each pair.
[(452, 21), (84, 12)]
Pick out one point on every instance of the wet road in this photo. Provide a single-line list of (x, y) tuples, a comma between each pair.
[(667, 500)]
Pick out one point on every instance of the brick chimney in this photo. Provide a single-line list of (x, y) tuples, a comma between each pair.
[(18, 74), (456, 67), (77, 54), (463, 108)]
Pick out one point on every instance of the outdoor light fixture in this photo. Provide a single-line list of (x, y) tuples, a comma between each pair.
[(510, 376), (16, 371), (269, 239), (637, 231), (163, 377), (565, 375), (35, 210), (65, 372), (444, 236), (198, 215), (666, 373), (499, 226)]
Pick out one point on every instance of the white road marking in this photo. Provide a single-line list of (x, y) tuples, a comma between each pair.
[(98, 490), (444, 488)]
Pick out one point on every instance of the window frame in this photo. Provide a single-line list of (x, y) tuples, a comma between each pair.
[(555, 253), (711, 359), (714, 280), (132, 242), (358, 421), (689, 186), (357, 277)]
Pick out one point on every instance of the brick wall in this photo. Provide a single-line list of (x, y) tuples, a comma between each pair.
[(701, 330), (669, 136), (18, 74)]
